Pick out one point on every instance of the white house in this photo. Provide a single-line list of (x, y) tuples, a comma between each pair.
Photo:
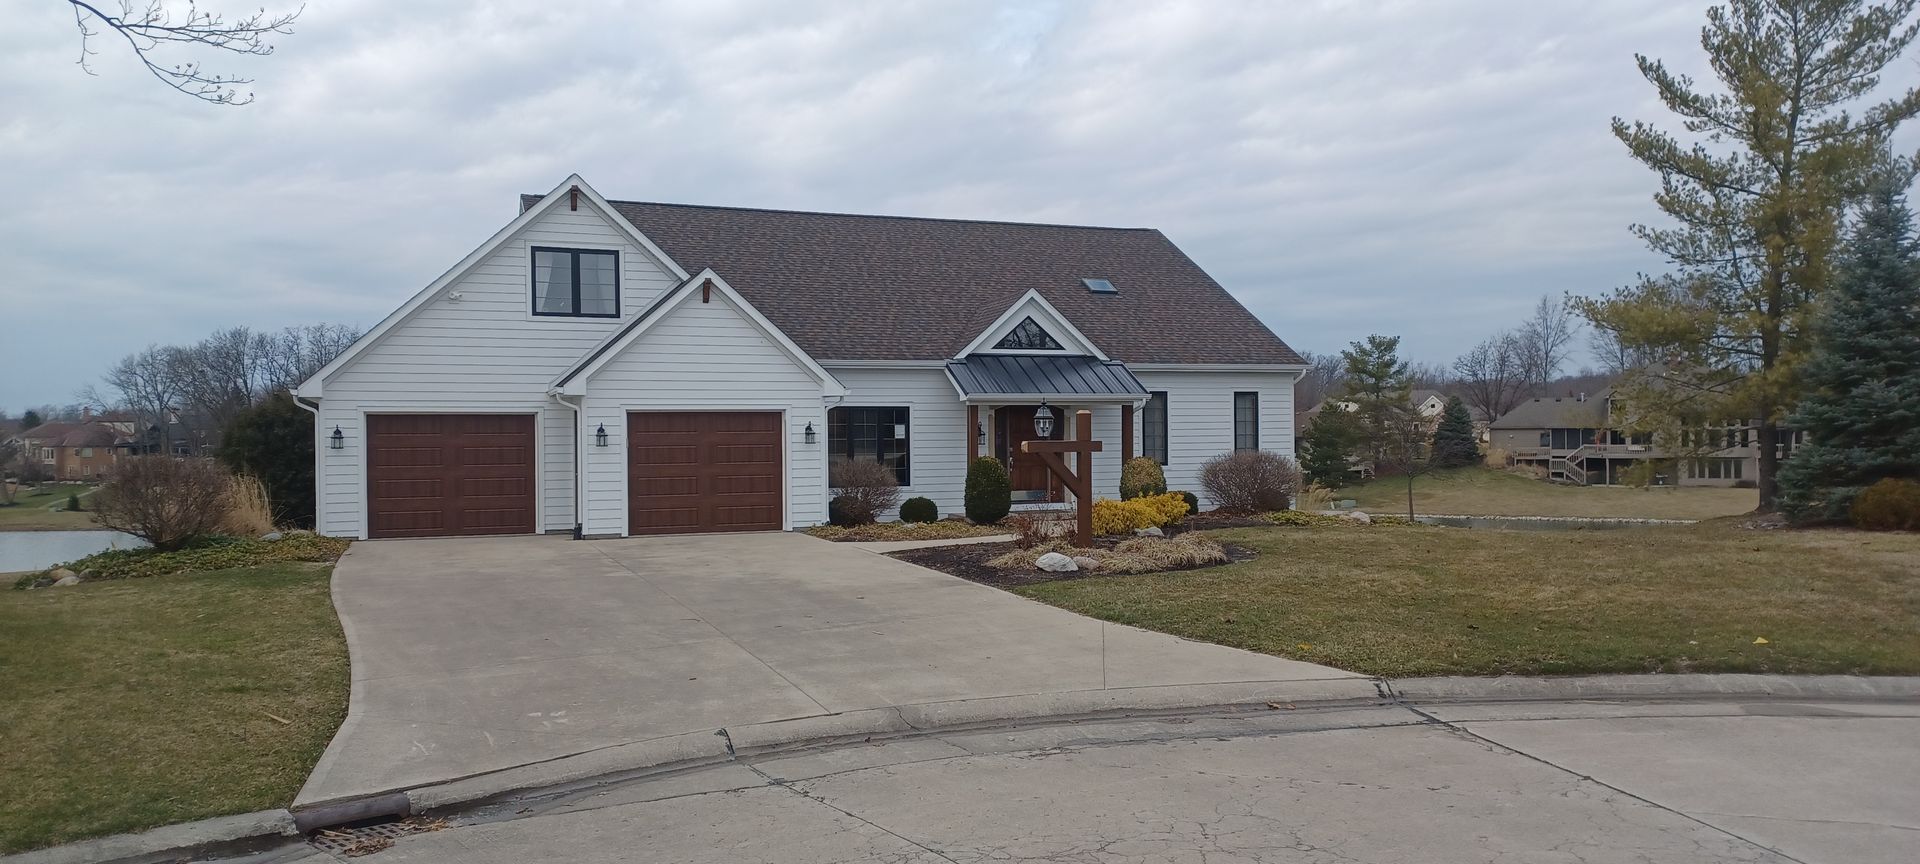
[(611, 368)]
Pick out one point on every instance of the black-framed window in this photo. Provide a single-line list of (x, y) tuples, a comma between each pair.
[(577, 283), (1246, 421), (870, 433), (1153, 431)]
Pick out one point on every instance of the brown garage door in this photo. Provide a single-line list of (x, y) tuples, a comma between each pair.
[(703, 471), (438, 475)]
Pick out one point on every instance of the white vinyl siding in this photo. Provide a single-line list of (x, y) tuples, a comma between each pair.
[(1200, 417), (703, 356), (937, 427), (484, 352)]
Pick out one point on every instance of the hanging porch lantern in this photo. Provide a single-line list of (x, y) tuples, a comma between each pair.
[(1043, 421), (338, 440), (600, 436)]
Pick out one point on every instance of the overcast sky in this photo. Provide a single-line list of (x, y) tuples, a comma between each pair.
[(1426, 169)]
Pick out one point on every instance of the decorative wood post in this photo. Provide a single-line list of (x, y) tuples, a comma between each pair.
[(973, 433), (1126, 434), (1080, 482)]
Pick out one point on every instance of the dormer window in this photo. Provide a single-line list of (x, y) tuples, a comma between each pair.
[(578, 283)]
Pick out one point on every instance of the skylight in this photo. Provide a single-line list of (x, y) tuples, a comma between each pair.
[(1100, 286)]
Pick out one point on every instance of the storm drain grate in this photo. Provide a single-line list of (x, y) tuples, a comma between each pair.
[(355, 841)]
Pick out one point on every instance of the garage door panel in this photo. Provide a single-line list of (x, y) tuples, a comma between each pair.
[(695, 471), (435, 475)]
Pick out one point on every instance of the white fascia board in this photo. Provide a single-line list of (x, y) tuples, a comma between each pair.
[(884, 364), (312, 387), (574, 382), (1217, 367), (981, 342)]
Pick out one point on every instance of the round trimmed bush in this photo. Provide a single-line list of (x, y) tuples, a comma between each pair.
[(839, 514), (919, 510), (1193, 502), (1141, 477), (989, 491), (1893, 504)]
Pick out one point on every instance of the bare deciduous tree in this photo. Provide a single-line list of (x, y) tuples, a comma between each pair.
[(147, 28), (1545, 340), (1323, 377), (149, 386), (1492, 376)]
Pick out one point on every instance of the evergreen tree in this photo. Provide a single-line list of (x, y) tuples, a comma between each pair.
[(1862, 410), (1381, 387), (30, 420), (1454, 445), (1326, 446), (273, 441), (1756, 188)]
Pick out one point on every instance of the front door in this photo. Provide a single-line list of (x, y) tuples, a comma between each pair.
[(1030, 478)]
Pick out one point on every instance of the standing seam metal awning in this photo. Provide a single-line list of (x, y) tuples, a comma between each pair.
[(1044, 376)]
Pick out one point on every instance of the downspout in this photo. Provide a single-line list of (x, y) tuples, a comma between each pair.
[(579, 524), (319, 500)]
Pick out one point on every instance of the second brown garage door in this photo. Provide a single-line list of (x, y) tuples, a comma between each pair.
[(442, 475), (692, 471)]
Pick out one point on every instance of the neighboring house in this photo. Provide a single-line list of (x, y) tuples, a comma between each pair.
[(1576, 439), (41, 445), (617, 368), (90, 451)]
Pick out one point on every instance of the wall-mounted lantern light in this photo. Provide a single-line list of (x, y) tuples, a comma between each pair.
[(809, 432), (600, 436), (1043, 421), (980, 434), (338, 440)]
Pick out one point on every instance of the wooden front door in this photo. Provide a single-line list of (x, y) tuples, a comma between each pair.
[(1029, 477), (695, 471)]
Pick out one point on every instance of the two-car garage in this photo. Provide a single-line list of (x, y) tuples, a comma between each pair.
[(444, 475)]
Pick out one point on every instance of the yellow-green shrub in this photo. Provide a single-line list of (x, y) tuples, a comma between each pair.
[(1126, 517), (1890, 505)]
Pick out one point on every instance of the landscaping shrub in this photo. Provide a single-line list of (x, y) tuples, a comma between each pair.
[(1893, 504), (866, 489), (274, 442), (1028, 532), (1305, 519), (1126, 517), (1138, 555), (919, 510), (73, 502), (1314, 498), (989, 492), (1140, 477), (837, 513), (1250, 481), (1193, 502), (165, 501), (247, 511), (945, 529)]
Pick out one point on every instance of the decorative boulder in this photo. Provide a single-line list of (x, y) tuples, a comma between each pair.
[(1361, 517), (1054, 562), (271, 536), (66, 580), (1150, 532), (1085, 563), (59, 573)]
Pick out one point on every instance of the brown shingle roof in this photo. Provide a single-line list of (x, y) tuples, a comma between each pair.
[(91, 435), (1564, 412), (53, 431), (850, 287)]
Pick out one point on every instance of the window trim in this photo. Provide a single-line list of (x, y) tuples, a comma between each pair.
[(1164, 457), (907, 442), (574, 253), (1255, 419)]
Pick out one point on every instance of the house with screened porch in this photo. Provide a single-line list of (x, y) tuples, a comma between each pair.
[(614, 368)]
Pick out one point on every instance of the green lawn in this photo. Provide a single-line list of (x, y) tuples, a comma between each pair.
[(135, 703), (1409, 600), (1485, 492), (30, 511)]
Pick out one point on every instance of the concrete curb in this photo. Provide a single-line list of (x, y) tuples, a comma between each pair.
[(239, 833), (1728, 686), (253, 831)]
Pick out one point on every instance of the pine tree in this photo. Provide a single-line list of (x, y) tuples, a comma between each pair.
[(1381, 388), (1862, 410), (1755, 188), (1326, 447), (30, 419), (1454, 445)]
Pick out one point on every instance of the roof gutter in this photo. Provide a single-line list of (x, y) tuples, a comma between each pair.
[(319, 500)]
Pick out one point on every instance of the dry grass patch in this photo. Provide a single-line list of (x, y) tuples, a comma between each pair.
[(130, 704), (942, 530), (1404, 600), (1484, 492), (1137, 555)]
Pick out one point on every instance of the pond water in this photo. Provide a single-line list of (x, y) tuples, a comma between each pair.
[(38, 550), (1534, 523)]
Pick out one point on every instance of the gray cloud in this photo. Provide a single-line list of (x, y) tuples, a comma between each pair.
[(1422, 168)]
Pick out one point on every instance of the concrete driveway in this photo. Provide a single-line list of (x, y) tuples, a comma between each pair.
[(476, 654)]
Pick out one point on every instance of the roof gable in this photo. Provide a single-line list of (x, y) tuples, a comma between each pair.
[(849, 287), (1012, 324)]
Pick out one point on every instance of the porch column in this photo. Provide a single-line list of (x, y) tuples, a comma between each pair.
[(973, 433), (1126, 433)]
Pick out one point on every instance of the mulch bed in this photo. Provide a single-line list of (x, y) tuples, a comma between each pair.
[(969, 562)]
